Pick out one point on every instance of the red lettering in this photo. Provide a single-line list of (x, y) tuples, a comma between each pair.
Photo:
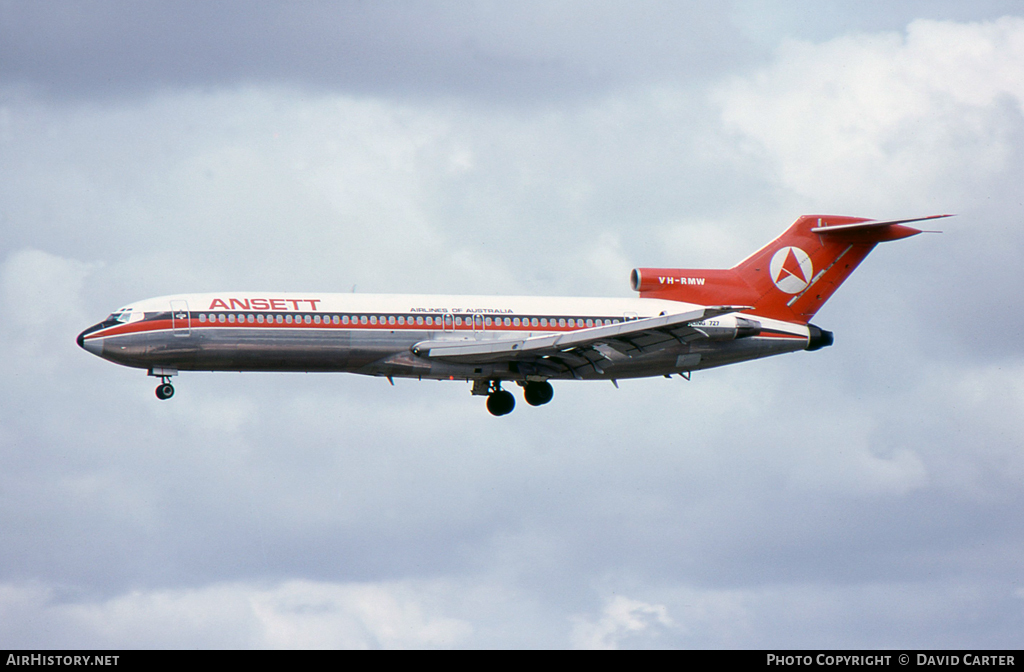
[(294, 302), (313, 302), (217, 303), (274, 304), (260, 304), (240, 303)]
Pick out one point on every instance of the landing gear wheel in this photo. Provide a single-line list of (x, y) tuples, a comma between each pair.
[(501, 402), (538, 394), (164, 391)]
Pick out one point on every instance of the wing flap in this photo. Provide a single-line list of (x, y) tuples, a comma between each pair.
[(625, 338)]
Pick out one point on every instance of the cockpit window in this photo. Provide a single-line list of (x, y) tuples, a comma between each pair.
[(123, 315)]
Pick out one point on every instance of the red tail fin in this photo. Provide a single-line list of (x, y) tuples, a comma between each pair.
[(788, 279)]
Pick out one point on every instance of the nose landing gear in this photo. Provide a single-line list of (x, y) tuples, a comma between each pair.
[(164, 390)]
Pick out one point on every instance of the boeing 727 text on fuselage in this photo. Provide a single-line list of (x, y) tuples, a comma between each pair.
[(684, 320)]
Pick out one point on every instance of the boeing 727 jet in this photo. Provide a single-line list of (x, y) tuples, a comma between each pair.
[(683, 320)]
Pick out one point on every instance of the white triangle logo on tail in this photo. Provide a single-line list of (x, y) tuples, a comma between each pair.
[(791, 269)]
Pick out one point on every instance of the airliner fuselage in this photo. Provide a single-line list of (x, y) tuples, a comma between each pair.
[(377, 334)]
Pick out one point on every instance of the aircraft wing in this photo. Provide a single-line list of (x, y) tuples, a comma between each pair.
[(614, 342)]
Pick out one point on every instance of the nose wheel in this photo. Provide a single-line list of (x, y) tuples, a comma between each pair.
[(164, 390)]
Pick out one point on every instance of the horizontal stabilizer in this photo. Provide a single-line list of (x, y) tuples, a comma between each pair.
[(871, 224)]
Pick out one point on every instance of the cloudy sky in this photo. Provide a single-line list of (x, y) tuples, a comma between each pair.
[(866, 495)]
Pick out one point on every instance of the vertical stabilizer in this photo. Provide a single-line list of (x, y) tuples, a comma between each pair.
[(788, 279)]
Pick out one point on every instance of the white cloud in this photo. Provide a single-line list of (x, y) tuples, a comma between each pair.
[(620, 619), (43, 308), (291, 614), (40, 289), (863, 121)]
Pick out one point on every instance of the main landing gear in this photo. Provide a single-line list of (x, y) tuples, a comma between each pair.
[(538, 394), (501, 402)]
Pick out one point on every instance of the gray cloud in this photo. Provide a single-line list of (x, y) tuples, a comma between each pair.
[(514, 54), (495, 50)]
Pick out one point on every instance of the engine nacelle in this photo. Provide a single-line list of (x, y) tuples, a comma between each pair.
[(705, 286), (729, 328), (655, 279)]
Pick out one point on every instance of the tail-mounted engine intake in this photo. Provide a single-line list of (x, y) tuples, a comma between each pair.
[(659, 279)]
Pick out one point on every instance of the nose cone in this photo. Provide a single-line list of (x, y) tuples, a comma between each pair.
[(94, 345)]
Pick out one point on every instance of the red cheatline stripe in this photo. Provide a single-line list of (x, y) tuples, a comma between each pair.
[(165, 325)]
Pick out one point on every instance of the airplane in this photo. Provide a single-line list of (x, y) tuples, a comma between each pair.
[(684, 320)]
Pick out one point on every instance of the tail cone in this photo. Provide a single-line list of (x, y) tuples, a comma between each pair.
[(819, 338)]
